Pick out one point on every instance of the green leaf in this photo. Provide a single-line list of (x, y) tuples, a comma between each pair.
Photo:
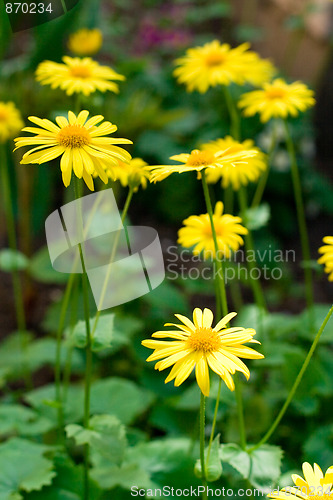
[(105, 435), (23, 468), (167, 297), (102, 337), (13, 260), (258, 217), (213, 466), (262, 467), (319, 313), (114, 396), (41, 268), (22, 420), (124, 476)]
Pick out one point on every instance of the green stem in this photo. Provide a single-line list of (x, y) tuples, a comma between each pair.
[(88, 370), (57, 368), (222, 295), (64, 6), (240, 412), (17, 288), (264, 178), (255, 284), (301, 219), (211, 437), (218, 262), (234, 116), (202, 444), (113, 252), (295, 385)]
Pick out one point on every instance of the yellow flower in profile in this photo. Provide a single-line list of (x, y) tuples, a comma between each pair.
[(327, 257), (133, 174), (197, 344), (81, 143), (277, 100), (10, 121), (218, 64), (200, 159), (197, 232), (85, 42), (314, 486), (240, 174), (78, 75)]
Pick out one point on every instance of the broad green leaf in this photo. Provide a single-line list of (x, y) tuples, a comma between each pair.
[(114, 396), (319, 313), (262, 467), (22, 420), (320, 445), (213, 465), (167, 297), (102, 336), (124, 476), (105, 435), (13, 260), (258, 217), (23, 468), (41, 269)]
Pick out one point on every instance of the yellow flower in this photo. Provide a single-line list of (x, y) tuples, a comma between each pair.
[(277, 100), (327, 257), (131, 174), (85, 42), (240, 174), (198, 233), (81, 143), (10, 121), (199, 345), (77, 75), (199, 160), (315, 486), (215, 64)]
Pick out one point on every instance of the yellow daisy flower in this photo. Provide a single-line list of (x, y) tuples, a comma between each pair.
[(200, 159), (78, 75), (218, 64), (200, 345), (133, 174), (314, 486), (85, 42), (327, 257), (198, 233), (10, 121), (277, 100), (81, 143), (240, 174)]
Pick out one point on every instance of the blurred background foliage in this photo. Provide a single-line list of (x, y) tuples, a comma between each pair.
[(141, 40)]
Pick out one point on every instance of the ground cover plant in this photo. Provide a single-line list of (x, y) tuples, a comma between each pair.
[(218, 383)]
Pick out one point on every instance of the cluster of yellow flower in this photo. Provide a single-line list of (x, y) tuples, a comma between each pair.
[(87, 150)]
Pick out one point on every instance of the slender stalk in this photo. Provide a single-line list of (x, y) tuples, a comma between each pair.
[(88, 370), (202, 444), (234, 116), (301, 219), (255, 284), (295, 385), (240, 412), (223, 301), (57, 368), (113, 252), (64, 6), (17, 287), (211, 437), (264, 178)]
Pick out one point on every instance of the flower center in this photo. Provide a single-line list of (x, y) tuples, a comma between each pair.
[(73, 136), (204, 339), (80, 71), (214, 59), (275, 93), (200, 158)]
